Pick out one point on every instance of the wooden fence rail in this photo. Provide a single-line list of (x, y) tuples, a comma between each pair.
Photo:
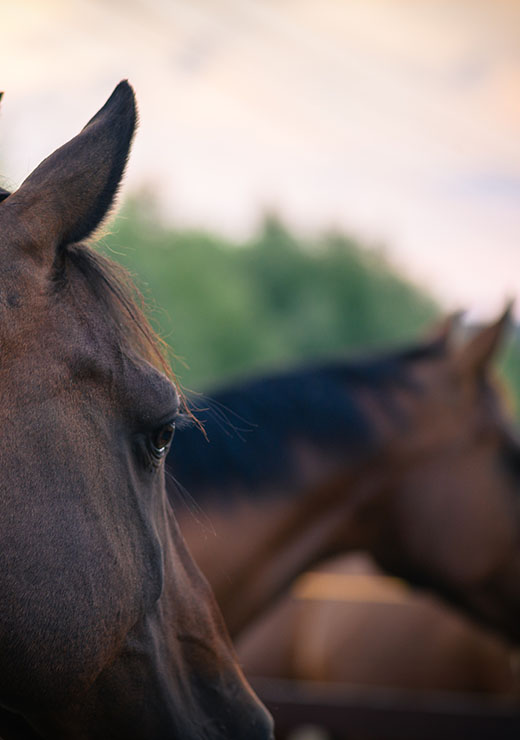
[(387, 714)]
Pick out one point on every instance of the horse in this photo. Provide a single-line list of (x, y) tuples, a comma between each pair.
[(408, 455), (107, 627), (345, 622)]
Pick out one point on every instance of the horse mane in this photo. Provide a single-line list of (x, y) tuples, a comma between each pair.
[(250, 427), (123, 303)]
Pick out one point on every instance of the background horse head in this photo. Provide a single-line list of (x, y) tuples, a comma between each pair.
[(107, 629), (451, 520), (408, 455)]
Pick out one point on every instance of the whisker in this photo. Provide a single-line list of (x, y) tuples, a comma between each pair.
[(198, 514), (221, 415)]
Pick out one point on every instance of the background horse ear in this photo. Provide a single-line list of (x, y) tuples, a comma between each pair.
[(474, 357), (68, 195), (443, 333)]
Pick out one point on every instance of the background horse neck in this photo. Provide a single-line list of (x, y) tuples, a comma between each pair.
[(302, 436), (324, 521)]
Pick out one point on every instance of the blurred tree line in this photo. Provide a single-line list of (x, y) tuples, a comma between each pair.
[(227, 309)]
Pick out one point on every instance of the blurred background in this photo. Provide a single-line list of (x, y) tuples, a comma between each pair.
[(309, 177)]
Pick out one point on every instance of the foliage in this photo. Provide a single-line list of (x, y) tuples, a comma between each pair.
[(510, 371), (229, 308)]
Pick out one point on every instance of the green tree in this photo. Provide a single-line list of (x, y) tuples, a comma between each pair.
[(228, 308)]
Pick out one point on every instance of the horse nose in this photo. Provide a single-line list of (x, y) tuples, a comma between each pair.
[(256, 723), (230, 710), (245, 718), (262, 728)]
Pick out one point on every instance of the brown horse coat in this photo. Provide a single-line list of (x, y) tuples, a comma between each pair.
[(107, 628), (409, 456)]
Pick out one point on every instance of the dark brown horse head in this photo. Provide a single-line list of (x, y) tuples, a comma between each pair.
[(107, 629), (451, 516)]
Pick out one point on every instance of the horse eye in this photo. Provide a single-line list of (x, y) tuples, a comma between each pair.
[(161, 439)]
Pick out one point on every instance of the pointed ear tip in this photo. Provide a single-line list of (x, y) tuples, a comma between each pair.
[(509, 309), (454, 319), (120, 102), (124, 87), (121, 106), (507, 315), (446, 326), (122, 98)]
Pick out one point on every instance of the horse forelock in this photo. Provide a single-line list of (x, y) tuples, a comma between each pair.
[(122, 302)]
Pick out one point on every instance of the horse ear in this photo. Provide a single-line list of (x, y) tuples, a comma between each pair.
[(68, 195), (474, 357), (442, 333)]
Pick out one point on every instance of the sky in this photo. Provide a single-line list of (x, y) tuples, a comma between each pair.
[(396, 120)]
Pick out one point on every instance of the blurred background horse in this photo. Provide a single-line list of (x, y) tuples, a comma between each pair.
[(383, 139), (408, 456)]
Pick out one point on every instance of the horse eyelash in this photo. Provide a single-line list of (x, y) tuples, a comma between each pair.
[(183, 421)]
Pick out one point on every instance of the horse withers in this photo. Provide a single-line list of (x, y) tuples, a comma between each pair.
[(107, 628)]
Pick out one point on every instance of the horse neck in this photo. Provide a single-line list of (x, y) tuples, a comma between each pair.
[(225, 538), (337, 510), (262, 551), (253, 544), (225, 526)]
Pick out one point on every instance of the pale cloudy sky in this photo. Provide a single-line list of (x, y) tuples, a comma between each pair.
[(398, 120)]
